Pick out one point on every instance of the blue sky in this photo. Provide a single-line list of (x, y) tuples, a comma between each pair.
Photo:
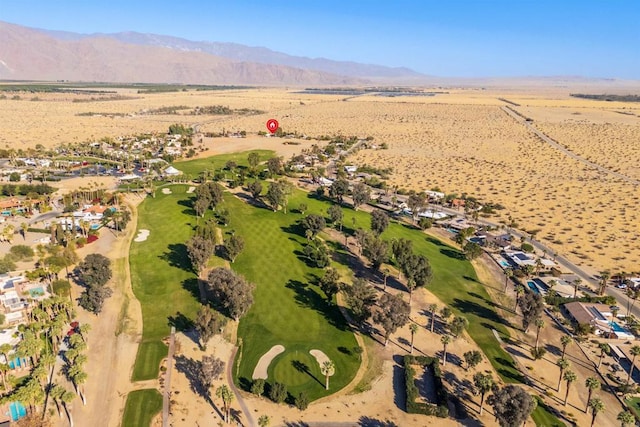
[(592, 38)]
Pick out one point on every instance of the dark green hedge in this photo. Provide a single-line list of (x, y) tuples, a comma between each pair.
[(440, 409)]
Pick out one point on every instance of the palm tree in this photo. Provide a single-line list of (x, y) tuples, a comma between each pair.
[(576, 284), (604, 280), (592, 384), (385, 272), (225, 393), (484, 383), (5, 349), (626, 418), (445, 340), (84, 330), (508, 274), (635, 351), (565, 341), (55, 392), (519, 292), (604, 350), (596, 406), (539, 326), (432, 309), (4, 368), (563, 364), (67, 397), (632, 295), (413, 328), (78, 377), (328, 369), (569, 376)]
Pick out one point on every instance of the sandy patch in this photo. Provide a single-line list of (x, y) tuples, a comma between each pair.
[(142, 235), (191, 190), (263, 364), (166, 191), (321, 358)]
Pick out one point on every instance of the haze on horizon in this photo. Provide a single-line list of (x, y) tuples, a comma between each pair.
[(481, 38)]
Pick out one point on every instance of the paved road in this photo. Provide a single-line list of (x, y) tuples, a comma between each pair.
[(241, 402), (45, 216), (166, 397)]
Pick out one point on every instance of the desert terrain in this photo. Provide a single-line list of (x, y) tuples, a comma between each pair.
[(460, 141)]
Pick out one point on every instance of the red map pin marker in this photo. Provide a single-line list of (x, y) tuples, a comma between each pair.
[(272, 125)]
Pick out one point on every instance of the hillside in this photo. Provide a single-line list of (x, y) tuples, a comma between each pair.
[(27, 54)]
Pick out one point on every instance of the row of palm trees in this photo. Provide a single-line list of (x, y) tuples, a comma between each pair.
[(37, 350)]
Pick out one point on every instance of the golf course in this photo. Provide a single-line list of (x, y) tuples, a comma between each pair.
[(289, 309)]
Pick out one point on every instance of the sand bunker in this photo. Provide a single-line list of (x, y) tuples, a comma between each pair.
[(191, 189), (166, 191), (142, 235), (321, 358), (263, 364)]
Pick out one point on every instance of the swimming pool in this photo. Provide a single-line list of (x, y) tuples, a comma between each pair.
[(15, 363), (36, 292), (504, 263), (616, 327), (533, 287), (17, 411), (94, 226)]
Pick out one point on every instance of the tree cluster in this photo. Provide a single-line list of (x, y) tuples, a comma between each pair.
[(94, 272), (317, 253), (231, 291), (392, 314), (531, 306), (208, 195)]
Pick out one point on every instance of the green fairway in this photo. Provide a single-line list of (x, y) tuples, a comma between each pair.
[(161, 276), (289, 308), (194, 167), (141, 407)]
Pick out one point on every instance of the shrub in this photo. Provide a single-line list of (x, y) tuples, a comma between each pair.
[(526, 247), (278, 392), (302, 401), (21, 252), (538, 353)]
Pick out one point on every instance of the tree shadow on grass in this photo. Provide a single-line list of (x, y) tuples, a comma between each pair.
[(181, 322), (192, 285), (466, 306), (177, 256), (452, 253), (511, 373), (294, 228), (488, 301), (436, 242), (309, 298), (253, 202), (302, 367), (188, 204)]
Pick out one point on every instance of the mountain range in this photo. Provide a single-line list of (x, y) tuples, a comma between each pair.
[(35, 54)]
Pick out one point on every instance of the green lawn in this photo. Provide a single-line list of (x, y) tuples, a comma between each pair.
[(634, 406), (161, 276), (141, 407)]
